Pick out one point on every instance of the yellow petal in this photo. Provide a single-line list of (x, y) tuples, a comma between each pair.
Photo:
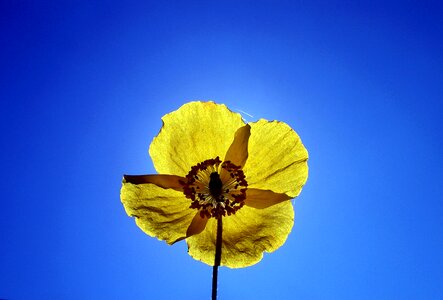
[(195, 132), (277, 159), (197, 225), (263, 198), (246, 235), (164, 181), (238, 151), (159, 212)]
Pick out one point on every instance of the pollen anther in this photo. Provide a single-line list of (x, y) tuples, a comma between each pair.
[(218, 195)]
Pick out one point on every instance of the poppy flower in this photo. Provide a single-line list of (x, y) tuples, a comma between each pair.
[(212, 165)]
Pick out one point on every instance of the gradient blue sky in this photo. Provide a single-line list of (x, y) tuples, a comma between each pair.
[(83, 88)]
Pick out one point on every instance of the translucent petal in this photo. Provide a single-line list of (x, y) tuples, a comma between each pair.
[(238, 151), (159, 212), (197, 225), (277, 159), (263, 198), (164, 181), (246, 235), (195, 132)]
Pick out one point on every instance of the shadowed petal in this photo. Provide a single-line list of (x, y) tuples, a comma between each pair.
[(159, 212), (238, 151), (164, 181), (277, 159), (263, 198), (198, 224), (195, 132), (246, 235)]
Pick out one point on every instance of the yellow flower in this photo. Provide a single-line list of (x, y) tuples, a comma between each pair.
[(212, 165)]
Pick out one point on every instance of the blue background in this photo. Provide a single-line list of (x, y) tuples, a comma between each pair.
[(83, 88)]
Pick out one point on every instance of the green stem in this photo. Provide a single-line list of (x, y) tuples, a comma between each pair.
[(218, 244)]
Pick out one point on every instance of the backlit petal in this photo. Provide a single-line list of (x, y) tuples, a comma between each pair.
[(197, 225), (263, 198), (238, 151), (159, 212), (195, 132), (277, 159), (164, 181), (246, 235)]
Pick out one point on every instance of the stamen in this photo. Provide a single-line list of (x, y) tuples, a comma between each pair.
[(215, 197)]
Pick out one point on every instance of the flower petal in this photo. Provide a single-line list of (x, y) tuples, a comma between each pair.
[(195, 132), (164, 181), (263, 198), (277, 159), (238, 151), (246, 235), (197, 225), (159, 212)]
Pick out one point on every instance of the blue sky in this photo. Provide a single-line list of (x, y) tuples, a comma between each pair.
[(84, 86)]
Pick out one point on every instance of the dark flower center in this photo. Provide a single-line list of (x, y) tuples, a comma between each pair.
[(216, 189), (215, 185)]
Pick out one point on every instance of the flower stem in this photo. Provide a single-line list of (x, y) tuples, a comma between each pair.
[(218, 244)]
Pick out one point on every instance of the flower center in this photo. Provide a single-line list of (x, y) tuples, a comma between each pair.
[(215, 185), (216, 189)]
